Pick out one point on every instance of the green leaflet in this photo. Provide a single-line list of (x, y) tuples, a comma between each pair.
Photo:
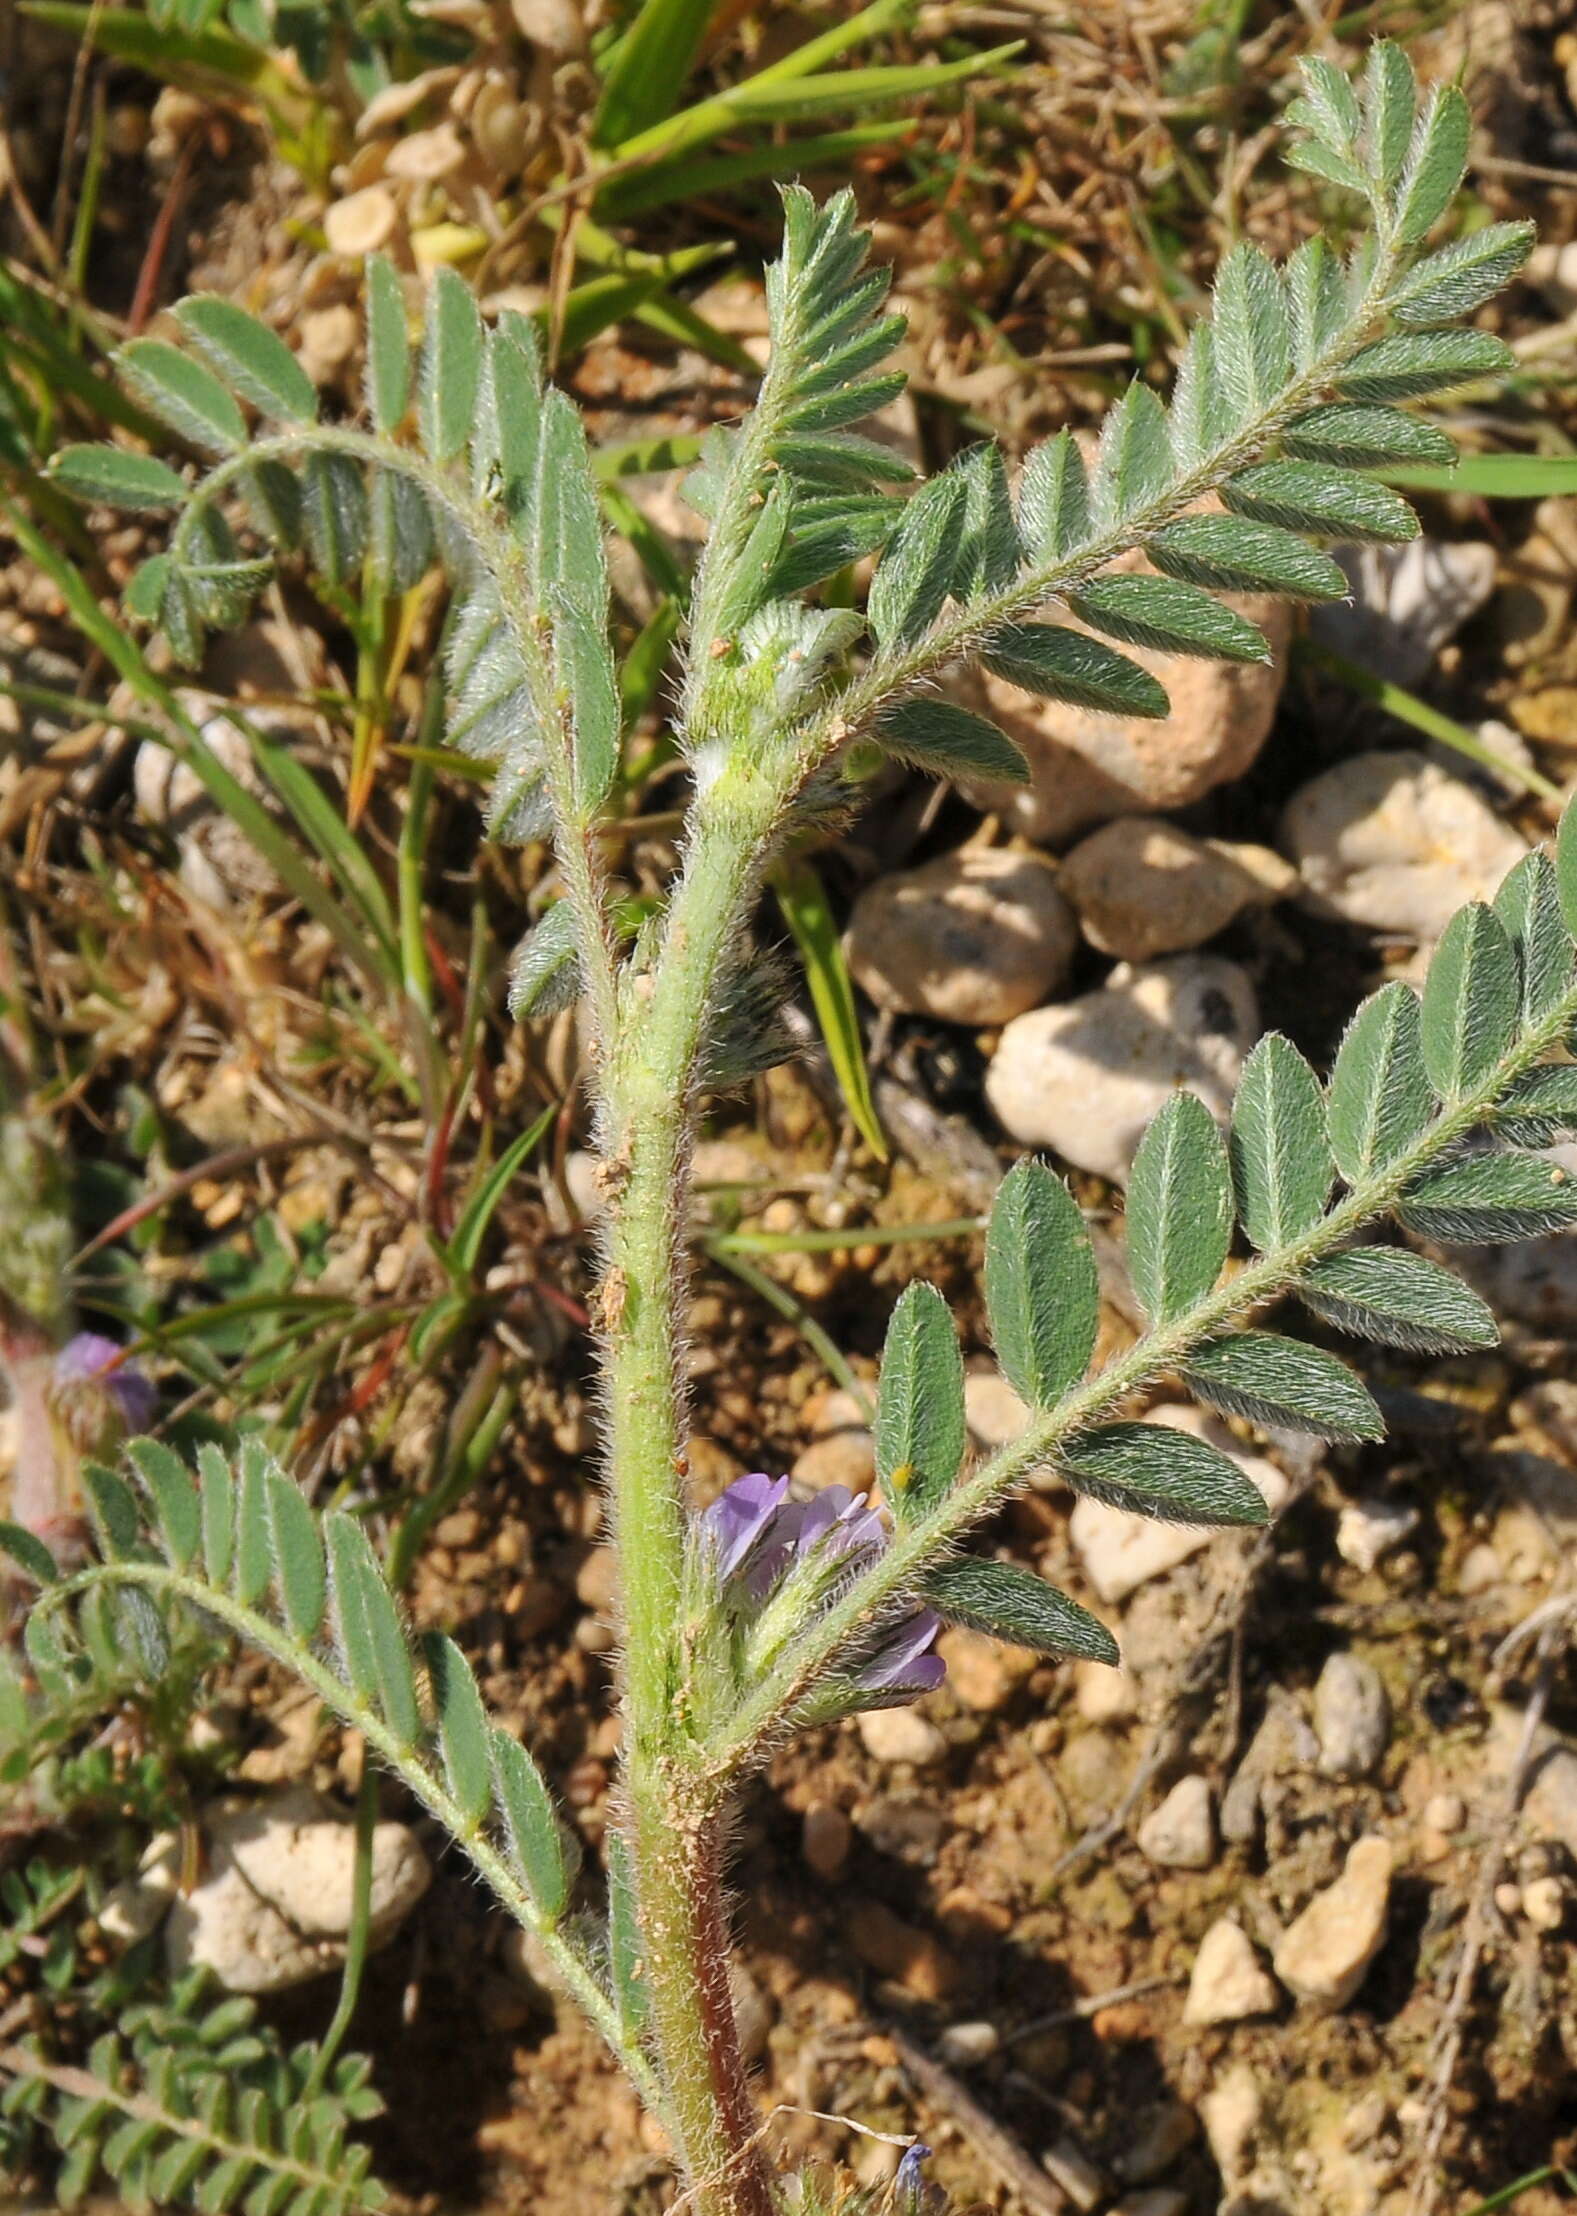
[(1320, 501), (388, 373), (1282, 1382), (29, 1554), (1170, 617), (544, 977), (916, 572), (1540, 1107), (1380, 1099), (1529, 907), (1231, 554), (1435, 162), (1413, 363), (254, 1547), (1040, 1282), (1152, 1470), (117, 478), (1060, 664), (1053, 500), (1017, 1606), (588, 695), (334, 514), (367, 1627), (631, 1991), (216, 1498), (1365, 437), (462, 1730), (1470, 1002), (1317, 300), (189, 398), (536, 1841), (1133, 463), (920, 1432), (299, 1574), (1202, 414), (1462, 276), (176, 1506), (1566, 868), (1330, 104), (949, 742), (1253, 332), (988, 556), (1282, 1168), (1390, 103), (1399, 1299), (252, 360), (1490, 1198), (1179, 1209), (399, 531), (450, 367)]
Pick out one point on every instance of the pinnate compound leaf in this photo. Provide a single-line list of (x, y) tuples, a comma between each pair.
[(1230, 554), (181, 393), (299, 1573), (462, 1729), (115, 477), (949, 742), (1412, 363), (1283, 1383), (1253, 333), (531, 1826), (1282, 1170), (449, 372), (1152, 1469), (1390, 105), (112, 1505), (176, 1506), (1173, 618), (388, 346), (545, 976), (1540, 1107), (920, 1430), (1399, 1300), (1053, 500), (1529, 907), (216, 1496), (1018, 1607), (1462, 276), (916, 573), (1435, 162), (1059, 664), (1041, 1290), (253, 360), (1490, 1199), (1134, 464), (1320, 501), (1470, 1002), (1358, 436), (29, 1553), (1179, 1210), (1380, 1100)]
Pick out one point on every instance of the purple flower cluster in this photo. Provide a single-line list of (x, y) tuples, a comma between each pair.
[(90, 1360), (759, 1538)]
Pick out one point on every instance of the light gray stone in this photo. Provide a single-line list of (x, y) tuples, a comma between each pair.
[(975, 937), (1181, 1833), (1392, 841), (1229, 1982), (1085, 1078), (1352, 1717), (901, 1735), (1324, 1955), (1407, 602), (961, 2046), (1367, 1530), (1143, 887)]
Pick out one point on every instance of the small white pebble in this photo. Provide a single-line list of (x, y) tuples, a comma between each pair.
[(964, 2044), (1544, 1903), (1445, 1812), (1508, 1899)]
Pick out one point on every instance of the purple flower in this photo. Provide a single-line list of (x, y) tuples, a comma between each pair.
[(90, 1359), (909, 2187), (760, 1544)]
